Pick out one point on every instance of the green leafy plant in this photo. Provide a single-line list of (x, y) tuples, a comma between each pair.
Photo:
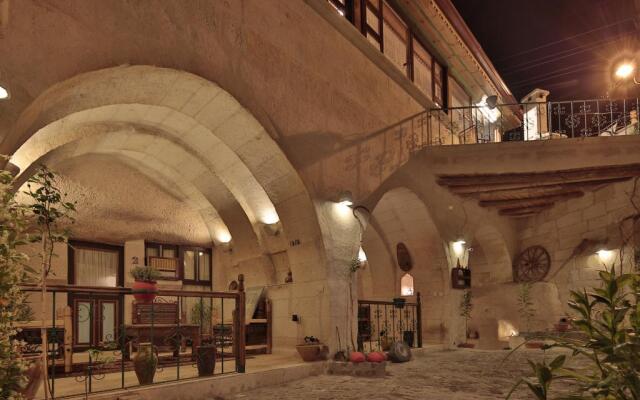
[(13, 220), (525, 304), (609, 319), (201, 314), (145, 273), (52, 215), (465, 309)]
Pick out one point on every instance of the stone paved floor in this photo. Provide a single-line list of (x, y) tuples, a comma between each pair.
[(437, 375)]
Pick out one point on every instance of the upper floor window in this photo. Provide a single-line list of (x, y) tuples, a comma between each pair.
[(164, 258), (343, 7), (196, 262), (388, 32), (395, 35)]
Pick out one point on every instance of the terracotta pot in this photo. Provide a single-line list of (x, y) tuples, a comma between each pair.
[(206, 359), (376, 357), (534, 345), (467, 345), (145, 363), (310, 352), (357, 357), (144, 291), (34, 379), (562, 326)]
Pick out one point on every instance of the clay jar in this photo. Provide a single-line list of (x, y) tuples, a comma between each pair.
[(145, 363)]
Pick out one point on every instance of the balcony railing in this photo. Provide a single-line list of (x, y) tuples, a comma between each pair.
[(514, 122), (95, 335)]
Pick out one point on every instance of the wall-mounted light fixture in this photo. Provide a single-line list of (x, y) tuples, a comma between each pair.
[(458, 247), (362, 257), (487, 107), (345, 199), (272, 229), (605, 255), (4, 93)]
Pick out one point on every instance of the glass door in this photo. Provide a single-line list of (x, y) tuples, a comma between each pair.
[(96, 321)]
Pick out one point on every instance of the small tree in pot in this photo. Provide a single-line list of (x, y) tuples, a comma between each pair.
[(527, 312)]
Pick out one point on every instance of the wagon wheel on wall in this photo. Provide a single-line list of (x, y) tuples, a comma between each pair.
[(531, 265)]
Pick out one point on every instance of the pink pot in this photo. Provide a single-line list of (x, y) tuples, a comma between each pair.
[(376, 357), (357, 357), (144, 291)]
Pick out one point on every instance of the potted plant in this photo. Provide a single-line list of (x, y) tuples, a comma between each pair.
[(466, 306), (312, 349), (527, 312), (145, 363), (206, 358), (145, 287)]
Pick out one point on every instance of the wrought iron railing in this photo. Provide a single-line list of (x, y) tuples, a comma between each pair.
[(512, 122), (97, 334), (380, 323)]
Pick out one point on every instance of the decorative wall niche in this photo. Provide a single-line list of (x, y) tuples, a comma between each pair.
[(403, 257)]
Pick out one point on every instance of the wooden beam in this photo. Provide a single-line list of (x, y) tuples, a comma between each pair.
[(472, 190), (543, 178), (512, 212), (530, 201), (539, 191)]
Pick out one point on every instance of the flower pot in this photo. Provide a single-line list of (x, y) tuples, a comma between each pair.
[(34, 379), (534, 344), (310, 352), (145, 363), (144, 291), (206, 359), (467, 345)]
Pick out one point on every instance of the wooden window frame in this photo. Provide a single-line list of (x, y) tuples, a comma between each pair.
[(73, 244), (160, 247), (196, 281), (358, 17), (347, 8)]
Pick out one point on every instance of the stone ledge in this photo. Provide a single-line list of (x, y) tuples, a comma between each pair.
[(364, 369), (214, 387)]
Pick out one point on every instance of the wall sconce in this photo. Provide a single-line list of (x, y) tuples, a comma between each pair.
[(458, 247), (362, 257), (272, 229), (345, 199), (605, 255)]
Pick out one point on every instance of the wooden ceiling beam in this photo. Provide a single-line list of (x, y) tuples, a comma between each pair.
[(514, 212), (531, 201), (472, 190), (542, 178)]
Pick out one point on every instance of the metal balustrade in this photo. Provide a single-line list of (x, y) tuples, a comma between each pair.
[(380, 323), (514, 122), (95, 333)]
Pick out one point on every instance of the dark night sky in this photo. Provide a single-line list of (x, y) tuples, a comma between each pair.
[(565, 46)]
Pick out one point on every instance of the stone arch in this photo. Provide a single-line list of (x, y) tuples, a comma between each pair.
[(400, 215), (177, 126)]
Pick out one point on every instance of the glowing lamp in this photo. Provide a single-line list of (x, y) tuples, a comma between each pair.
[(605, 255), (458, 247), (4, 93), (362, 257), (624, 70), (345, 199)]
